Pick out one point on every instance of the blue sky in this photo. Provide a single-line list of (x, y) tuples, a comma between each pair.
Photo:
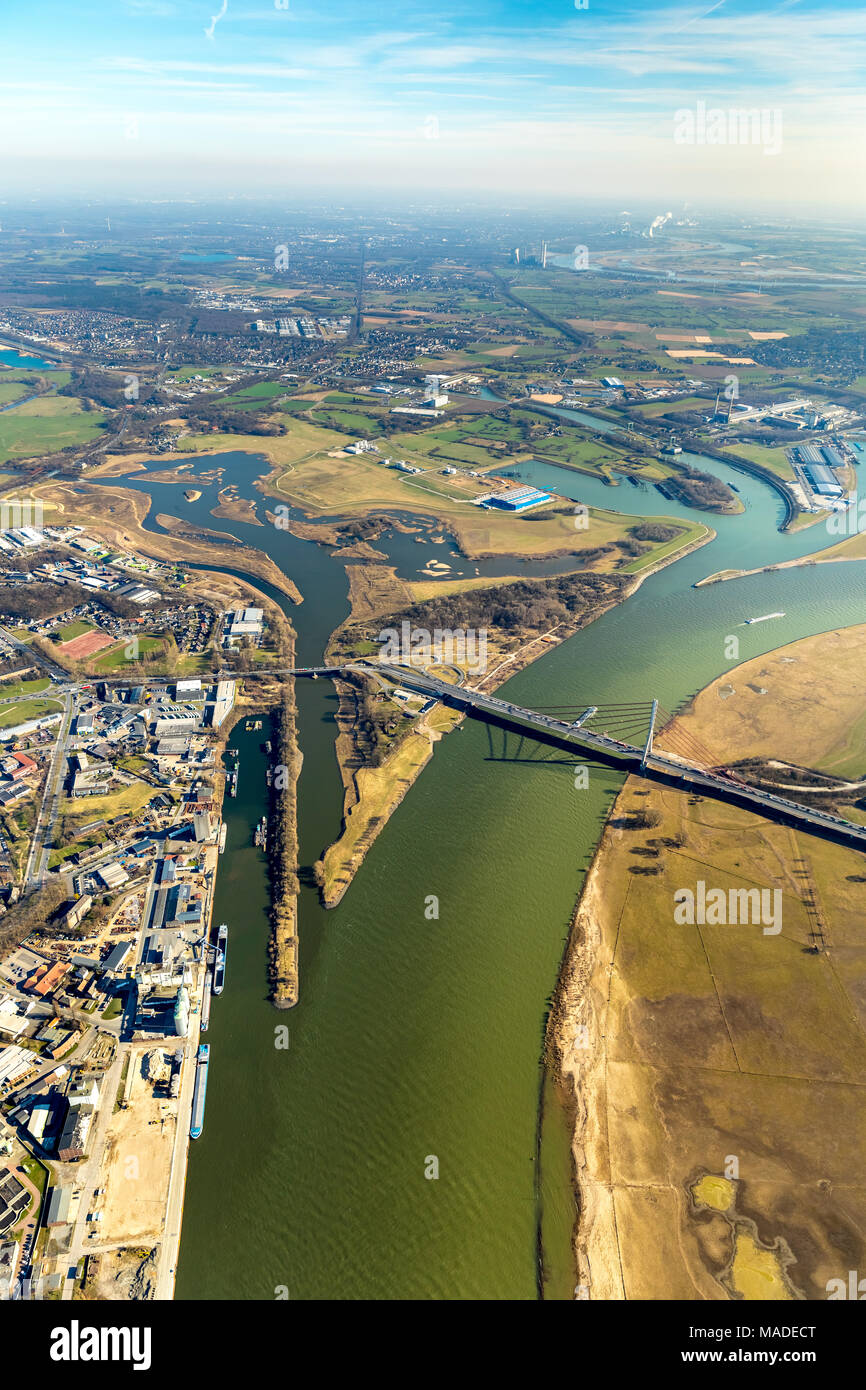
[(173, 96)]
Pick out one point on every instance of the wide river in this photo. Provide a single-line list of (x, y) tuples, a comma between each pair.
[(418, 1038)]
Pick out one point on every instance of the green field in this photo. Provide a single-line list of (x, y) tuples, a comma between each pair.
[(653, 408), (254, 397), (45, 425), (17, 688), (115, 656), (12, 391), (70, 630), (22, 710), (774, 459)]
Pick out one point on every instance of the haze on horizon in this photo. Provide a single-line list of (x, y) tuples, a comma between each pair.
[(167, 98)]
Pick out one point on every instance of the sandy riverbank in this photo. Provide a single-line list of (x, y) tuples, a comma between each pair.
[(715, 1127), (372, 795)]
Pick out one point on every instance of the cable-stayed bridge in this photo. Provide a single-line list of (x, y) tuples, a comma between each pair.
[(618, 734)]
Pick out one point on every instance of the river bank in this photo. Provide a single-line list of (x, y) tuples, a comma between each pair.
[(283, 967), (497, 831), (373, 794), (118, 514), (835, 555), (676, 1046)]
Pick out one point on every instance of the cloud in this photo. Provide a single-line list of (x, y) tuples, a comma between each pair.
[(209, 31)]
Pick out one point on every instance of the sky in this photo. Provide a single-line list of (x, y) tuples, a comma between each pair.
[(538, 99)]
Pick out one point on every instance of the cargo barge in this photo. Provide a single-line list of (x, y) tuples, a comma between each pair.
[(198, 1097), (219, 970), (205, 1003)]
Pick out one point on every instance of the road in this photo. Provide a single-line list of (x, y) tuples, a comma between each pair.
[(37, 859), (34, 657), (170, 1244), (660, 767), (86, 1173)]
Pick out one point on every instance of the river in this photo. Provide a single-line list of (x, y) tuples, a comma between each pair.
[(416, 1038)]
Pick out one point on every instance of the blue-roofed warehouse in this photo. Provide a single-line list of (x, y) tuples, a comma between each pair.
[(822, 479), (517, 499)]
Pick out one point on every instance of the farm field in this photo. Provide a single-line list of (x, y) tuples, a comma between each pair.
[(46, 424)]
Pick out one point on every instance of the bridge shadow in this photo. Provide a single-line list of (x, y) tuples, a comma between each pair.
[(540, 738)]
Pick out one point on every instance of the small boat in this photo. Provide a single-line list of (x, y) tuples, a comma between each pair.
[(764, 618)]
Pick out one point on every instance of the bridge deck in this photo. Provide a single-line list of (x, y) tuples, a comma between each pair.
[(659, 767)]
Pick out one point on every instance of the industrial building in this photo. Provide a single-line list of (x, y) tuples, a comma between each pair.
[(59, 1203), (163, 1011), (75, 915), (39, 1120), (113, 875), (116, 959), (243, 622), (822, 480), (219, 704), (516, 499), (14, 1200), (73, 1136)]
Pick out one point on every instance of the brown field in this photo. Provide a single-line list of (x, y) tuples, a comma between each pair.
[(683, 338), (137, 1163), (79, 648), (609, 325), (720, 1111), (783, 723), (700, 352)]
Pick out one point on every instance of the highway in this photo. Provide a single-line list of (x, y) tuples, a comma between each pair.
[(659, 767)]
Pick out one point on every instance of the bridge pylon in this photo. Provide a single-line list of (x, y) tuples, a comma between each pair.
[(648, 746)]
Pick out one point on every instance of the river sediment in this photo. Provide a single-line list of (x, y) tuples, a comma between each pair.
[(283, 855)]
